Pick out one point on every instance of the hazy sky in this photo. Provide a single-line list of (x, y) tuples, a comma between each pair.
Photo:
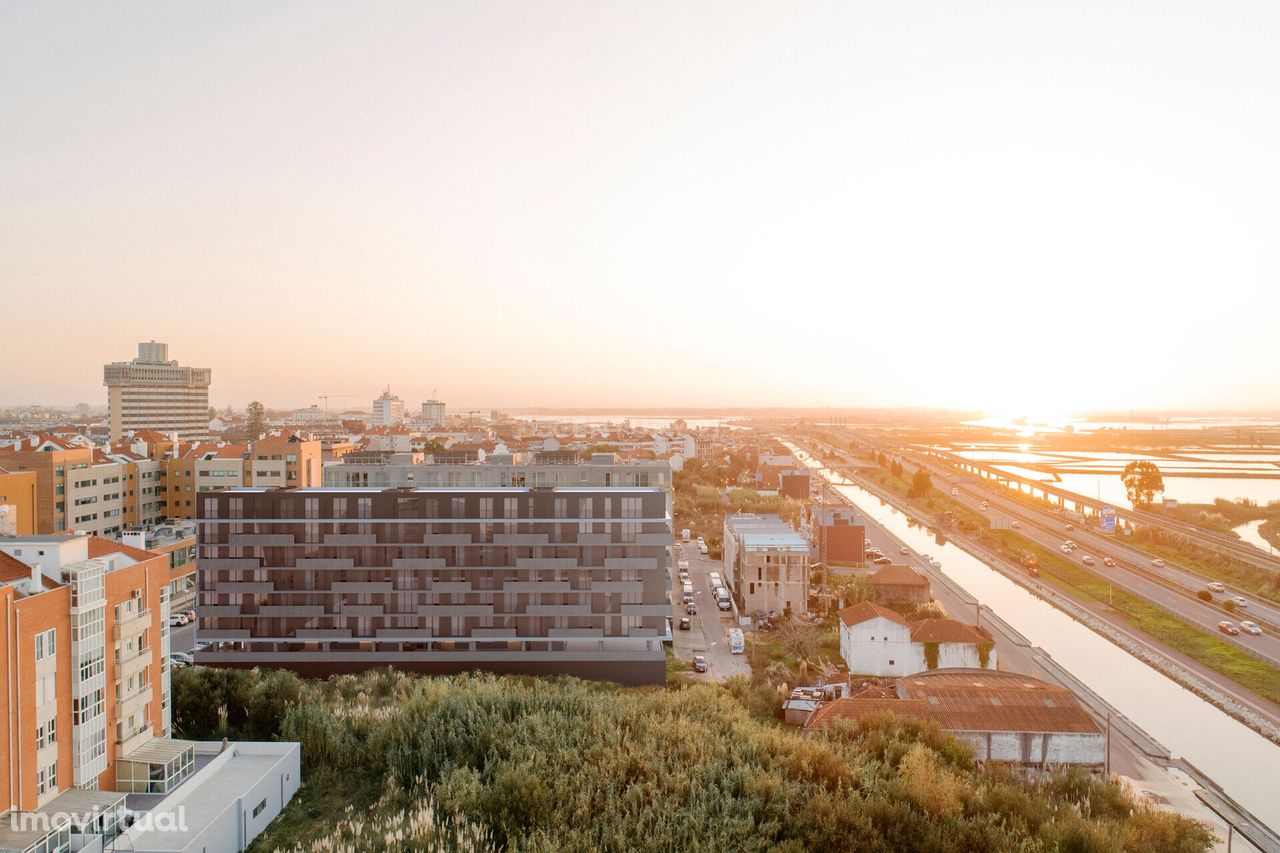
[(1014, 206)]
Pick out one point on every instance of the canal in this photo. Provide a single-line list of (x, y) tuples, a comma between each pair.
[(1244, 763)]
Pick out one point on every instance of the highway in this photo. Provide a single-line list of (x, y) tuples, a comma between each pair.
[(1206, 538), (1172, 588)]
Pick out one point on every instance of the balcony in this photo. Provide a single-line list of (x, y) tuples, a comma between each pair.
[(129, 623)]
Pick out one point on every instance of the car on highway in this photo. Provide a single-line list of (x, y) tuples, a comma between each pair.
[(904, 550), (1215, 586), (1250, 627), (1228, 628), (1015, 525), (1087, 560), (685, 624), (955, 492), (1066, 549), (1108, 562), (1240, 601), (699, 663), (1071, 527), (1158, 563), (984, 505)]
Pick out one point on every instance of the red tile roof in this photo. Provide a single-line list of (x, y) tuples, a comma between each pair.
[(947, 631), (866, 610), (973, 700), (895, 575)]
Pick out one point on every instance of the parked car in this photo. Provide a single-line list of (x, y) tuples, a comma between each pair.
[(1158, 563), (191, 615), (1240, 601), (684, 577), (691, 608), (1215, 586), (1250, 627), (1108, 562), (703, 549), (684, 623), (181, 658), (882, 561), (1228, 628), (177, 620), (699, 663)]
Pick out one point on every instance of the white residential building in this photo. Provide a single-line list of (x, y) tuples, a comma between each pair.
[(875, 640), (388, 409)]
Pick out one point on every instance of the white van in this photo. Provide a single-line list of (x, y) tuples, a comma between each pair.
[(686, 590), (723, 600), (685, 535), (713, 580), (737, 643)]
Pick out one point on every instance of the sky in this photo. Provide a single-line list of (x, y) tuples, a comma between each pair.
[(1009, 206)]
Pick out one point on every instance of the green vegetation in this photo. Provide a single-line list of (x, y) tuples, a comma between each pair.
[(1197, 644), (255, 420), (394, 762), (1142, 481), (704, 493)]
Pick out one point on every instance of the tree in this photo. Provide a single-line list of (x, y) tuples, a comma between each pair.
[(896, 468), (255, 420), (1142, 481), (921, 484)]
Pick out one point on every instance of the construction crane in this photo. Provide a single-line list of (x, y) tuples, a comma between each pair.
[(326, 397)]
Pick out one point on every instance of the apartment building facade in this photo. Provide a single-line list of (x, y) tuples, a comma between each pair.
[(765, 564), (514, 579), (84, 628), (287, 461), (154, 392), (388, 409), (84, 695), (557, 470)]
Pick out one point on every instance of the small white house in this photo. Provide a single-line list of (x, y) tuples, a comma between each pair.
[(875, 640)]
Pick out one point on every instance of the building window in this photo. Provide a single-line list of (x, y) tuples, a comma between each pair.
[(45, 644), (259, 808), (47, 779)]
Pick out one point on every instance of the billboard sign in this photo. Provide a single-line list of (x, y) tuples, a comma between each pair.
[(1108, 519)]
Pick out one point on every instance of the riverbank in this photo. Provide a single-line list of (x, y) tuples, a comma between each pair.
[(1163, 660)]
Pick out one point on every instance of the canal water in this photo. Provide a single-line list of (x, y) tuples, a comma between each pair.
[(1244, 763), (1248, 532)]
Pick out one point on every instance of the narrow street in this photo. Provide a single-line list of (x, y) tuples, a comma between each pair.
[(709, 629)]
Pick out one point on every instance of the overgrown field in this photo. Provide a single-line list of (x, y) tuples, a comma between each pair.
[(394, 762)]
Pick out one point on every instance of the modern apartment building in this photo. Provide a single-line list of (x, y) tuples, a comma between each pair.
[(84, 695), (517, 579), (286, 461), (555, 469), (433, 414), (85, 488), (766, 565), (154, 392), (388, 409)]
